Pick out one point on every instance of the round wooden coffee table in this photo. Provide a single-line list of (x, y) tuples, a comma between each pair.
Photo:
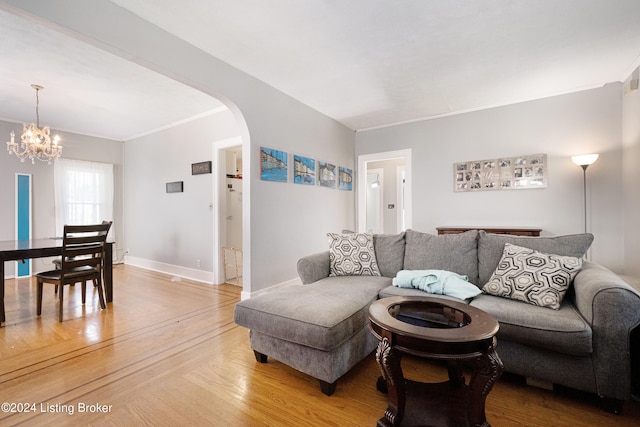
[(435, 328)]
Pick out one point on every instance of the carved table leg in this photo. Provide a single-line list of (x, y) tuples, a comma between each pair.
[(486, 371), (389, 362)]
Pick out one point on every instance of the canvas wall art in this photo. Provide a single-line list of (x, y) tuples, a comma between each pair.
[(304, 170), (345, 178), (327, 175), (274, 165)]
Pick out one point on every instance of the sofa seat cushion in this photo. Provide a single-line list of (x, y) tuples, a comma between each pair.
[(564, 330), (321, 315), (451, 252)]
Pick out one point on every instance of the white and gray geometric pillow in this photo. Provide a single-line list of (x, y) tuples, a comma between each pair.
[(533, 277), (352, 255)]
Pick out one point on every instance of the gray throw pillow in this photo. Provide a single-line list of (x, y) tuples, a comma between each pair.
[(491, 246), (533, 277), (352, 255), (451, 252), (389, 250)]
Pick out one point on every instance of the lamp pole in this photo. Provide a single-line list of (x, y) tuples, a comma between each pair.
[(584, 161), (584, 191)]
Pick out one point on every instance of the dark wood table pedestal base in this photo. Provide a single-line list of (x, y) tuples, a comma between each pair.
[(451, 403), (439, 329)]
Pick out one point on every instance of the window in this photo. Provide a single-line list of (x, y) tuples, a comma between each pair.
[(83, 193)]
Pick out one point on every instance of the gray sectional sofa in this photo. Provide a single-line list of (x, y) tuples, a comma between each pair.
[(320, 328)]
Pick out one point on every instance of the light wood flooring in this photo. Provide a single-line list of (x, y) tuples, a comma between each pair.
[(168, 353)]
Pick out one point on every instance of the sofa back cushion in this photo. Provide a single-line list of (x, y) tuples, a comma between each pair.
[(491, 247), (389, 250), (452, 252)]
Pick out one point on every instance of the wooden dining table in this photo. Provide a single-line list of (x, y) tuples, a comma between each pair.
[(17, 250)]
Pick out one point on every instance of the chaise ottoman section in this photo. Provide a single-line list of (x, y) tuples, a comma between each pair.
[(319, 329), (325, 366)]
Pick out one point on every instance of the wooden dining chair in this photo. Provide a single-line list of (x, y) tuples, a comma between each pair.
[(58, 264), (82, 260)]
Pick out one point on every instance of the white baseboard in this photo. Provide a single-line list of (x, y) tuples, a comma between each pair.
[(174, 270), (207, 277)]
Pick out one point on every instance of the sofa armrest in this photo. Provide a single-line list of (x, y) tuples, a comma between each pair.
[(314, 267), (612, 308)]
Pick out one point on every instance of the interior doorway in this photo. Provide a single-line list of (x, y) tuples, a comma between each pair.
[(228, 211), (394, 209), (233, 191), (375, 199), (232, 245)]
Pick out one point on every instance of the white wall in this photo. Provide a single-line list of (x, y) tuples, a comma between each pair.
[(281, 221), (291, 220), (173, 228), (74, 147), (631, 178), (561, 126)]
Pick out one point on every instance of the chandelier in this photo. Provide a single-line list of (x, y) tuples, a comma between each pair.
[(35, 141)]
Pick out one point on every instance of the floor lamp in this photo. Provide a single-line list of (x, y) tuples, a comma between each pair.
[(584, 161)]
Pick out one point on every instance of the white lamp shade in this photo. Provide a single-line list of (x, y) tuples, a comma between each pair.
[(584, 159)]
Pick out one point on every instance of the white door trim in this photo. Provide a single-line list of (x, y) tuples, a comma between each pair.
[(400, 190)]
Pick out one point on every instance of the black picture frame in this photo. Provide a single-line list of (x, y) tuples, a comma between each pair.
[(175, 187), (200, 168)]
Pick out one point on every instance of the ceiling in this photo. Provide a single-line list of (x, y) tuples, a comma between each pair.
[(365, 63)]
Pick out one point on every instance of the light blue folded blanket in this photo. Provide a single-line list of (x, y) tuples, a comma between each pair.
[(439, 282)]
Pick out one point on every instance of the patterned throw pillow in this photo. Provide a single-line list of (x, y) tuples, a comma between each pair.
[(352, 255), (533, 277)]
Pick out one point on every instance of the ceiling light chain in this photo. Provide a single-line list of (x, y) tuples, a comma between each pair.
[(35, 142), (37, 88)]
